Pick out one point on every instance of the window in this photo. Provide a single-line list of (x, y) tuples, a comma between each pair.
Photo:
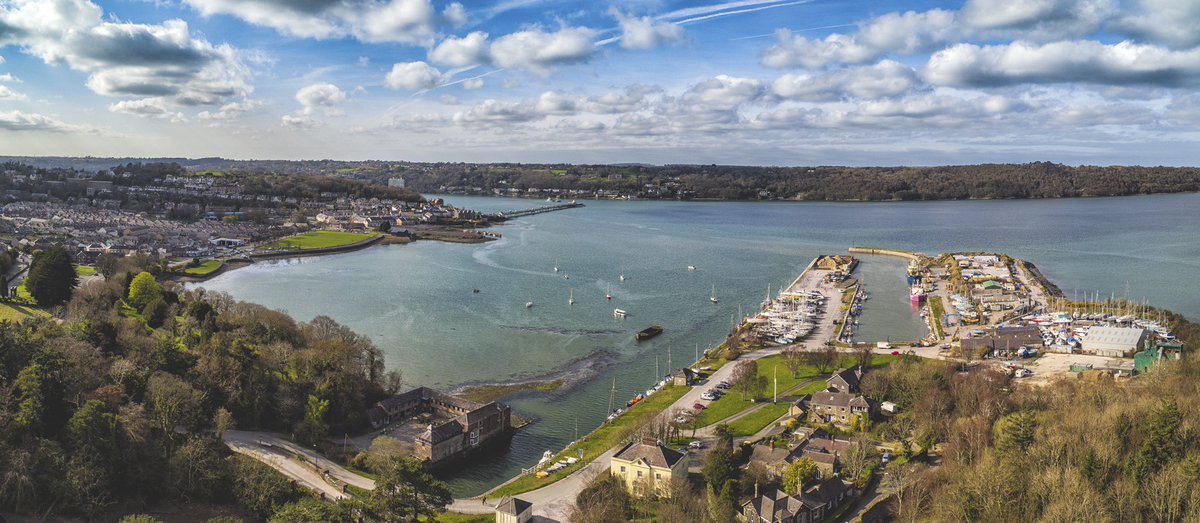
[(657, 476), (622, 469), (639, 473)]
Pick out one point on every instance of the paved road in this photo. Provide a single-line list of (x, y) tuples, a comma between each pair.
[(283, 461), (321, 462)]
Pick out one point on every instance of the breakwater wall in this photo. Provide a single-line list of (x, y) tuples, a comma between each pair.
[(886, 252)]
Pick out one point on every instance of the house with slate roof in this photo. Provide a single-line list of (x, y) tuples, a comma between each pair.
[(514, 510), (647, 466)]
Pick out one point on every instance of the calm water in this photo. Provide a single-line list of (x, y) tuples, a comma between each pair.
[(416, 301)]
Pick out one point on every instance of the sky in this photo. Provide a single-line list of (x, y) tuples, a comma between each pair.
[(756, 82)]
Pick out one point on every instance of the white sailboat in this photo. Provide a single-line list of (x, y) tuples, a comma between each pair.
[(713, 297), (556, 265), (571, 297), (622, 276), (608, 293)]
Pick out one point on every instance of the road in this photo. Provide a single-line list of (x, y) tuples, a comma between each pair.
[(260, 446)]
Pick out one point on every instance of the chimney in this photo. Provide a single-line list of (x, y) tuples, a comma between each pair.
[(755, 490), (649, 440)]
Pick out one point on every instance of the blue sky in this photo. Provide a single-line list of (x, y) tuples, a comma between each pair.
[(769, 82)]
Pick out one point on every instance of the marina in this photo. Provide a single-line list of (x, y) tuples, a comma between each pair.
[(755, 247)]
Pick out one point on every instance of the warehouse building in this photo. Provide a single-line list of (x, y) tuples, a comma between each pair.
[(1114, 342)]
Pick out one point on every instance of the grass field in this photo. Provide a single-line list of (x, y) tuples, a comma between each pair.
[(205, 268), (600, 440), (754, 422), (318, 240), (937, 311), (84, 271), (455, 517), (732, 403), (16, 312)]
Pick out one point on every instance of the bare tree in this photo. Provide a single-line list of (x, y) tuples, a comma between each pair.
[(825, 358), (910, 489), (856, 458), (746, 379), (794, 358), (862, 356)]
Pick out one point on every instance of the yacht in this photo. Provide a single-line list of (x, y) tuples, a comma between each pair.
[(620, 313), (713, 297), (571, 298), (691, 268)]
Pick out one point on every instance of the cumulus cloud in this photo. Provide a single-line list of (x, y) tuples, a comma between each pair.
[(1169, 22), (314, 96), (153, 107), (9, 94), (492, 111), (539, 51), (455, 14), (645, 33), (901, 33), (472, 83), (724, 92), (1125, 63), (413, 76), (298, 121), (1039, 20), (125, 59), (230, 111), (19, 121), (461, 52), (632, 98), (887, 78), (372, 21), (554, 103)]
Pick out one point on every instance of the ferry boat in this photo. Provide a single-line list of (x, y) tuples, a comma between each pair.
[(648, 332), (917, 293), (620, 313)]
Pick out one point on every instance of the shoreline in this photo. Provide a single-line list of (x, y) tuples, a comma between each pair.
[(803, 200), (233, 264)]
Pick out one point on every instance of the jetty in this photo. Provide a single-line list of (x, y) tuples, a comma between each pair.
[(508, 215)]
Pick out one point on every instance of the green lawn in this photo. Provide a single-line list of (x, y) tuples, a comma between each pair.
[(455, 517), (84, 270), (751, 423), (599, 441), (937, 310), (732, 403), (205, 268), (318, 240), (15, 312)]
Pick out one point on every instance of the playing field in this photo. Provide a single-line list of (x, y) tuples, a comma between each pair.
[(318, 240)]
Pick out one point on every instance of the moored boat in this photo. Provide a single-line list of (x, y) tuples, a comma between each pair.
[(648, 332)]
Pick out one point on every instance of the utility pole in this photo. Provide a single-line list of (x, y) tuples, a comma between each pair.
[(775, 369)]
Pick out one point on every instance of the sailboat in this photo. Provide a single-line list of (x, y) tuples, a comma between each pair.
[(713, 297), (571, 297), (622, 276), (529, 304), (556, 265), (608, 293)]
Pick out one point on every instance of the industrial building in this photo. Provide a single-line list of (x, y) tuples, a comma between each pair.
[(1114, 342)]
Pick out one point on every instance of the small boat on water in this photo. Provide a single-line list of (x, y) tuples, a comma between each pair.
[(566, 276), (608, 293), (691, 268), (648, 332), (529, 304), (620, 313), (636, 399), (556, 265), (571, 297), (475, 291), (713, 297)]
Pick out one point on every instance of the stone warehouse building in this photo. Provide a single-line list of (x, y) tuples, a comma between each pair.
[(471, 426)]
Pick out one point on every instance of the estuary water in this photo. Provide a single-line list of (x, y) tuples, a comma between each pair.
[(417, 301)]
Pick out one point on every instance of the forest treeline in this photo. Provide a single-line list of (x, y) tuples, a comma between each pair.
[(987, 181)]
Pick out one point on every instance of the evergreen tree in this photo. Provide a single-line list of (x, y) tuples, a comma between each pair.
[(52, 277)]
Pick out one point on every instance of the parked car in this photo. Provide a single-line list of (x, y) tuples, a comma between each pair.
[(696, 445), (723, 385), (895, 353), (708, 396), (698, 406)]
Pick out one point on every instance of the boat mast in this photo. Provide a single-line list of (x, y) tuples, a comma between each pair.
[(612, 397)]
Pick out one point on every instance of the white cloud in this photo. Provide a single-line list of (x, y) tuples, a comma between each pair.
[(1125, 63), (493, 112), (230, 111), (554, 103), (645, 33), (19, 121), (633, 98), (1170, 22), (319, 95), (461, 52), (372, 21), (8, 77), (413, 76), (539, 52), (455, 14), (153, 107), (1039, 20), (906, 33), (125, 59), (9, 94), (887, 78), (472, 83), (724, 92)]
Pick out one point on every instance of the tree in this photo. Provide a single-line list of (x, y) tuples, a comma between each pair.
[(825, 359), (862, 356), (106, 265), (307, 510), (172, 401), (312, 428), (794, 358), (52, 277), (1163, 442), (222, 421), (718, 466), (384, 450), (155, 313), (798, 475), (404, 491), (197, 469), (856, 459), (143, 289), (259, 488), (140, 518), (1014, 432), (722, 507), (746, 380), (603, 500)]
